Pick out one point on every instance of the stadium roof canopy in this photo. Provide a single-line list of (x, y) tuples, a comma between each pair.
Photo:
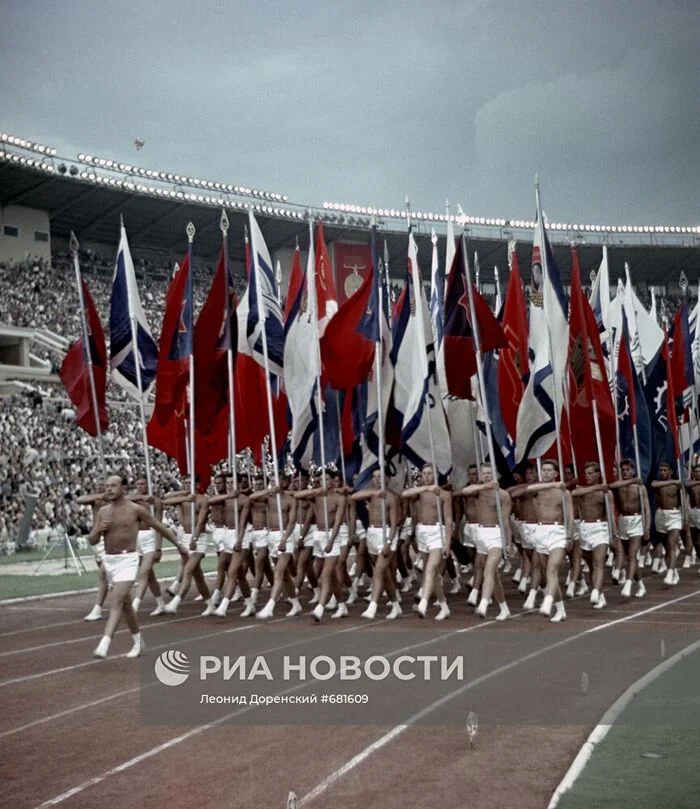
[(89, 198)]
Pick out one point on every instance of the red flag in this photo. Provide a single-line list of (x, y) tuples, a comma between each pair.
[(296, 279), (588, 380), (670, 398), (458, 337), (75, 371), (172, 373), (211, 342), (326, 298), (171, 437), (346, 355), (513, 359)]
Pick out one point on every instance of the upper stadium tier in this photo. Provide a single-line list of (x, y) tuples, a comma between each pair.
[(88, 194)]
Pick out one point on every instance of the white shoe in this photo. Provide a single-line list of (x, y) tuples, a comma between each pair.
[(594, 596), (686, 562), (395, 612), (558, 617), (171, 607), (159, 610), (210, 609), (504, 613), (249, 608), (341, 612), (482, 609), (254, 595), (517, 576), (626, 591), (600, 603), (641, 590), (615, 575), (317, 613), (408, 583), (332, 604), (352, 596), (102, 647), (676, 577), (137, 648), (265, 613), (530, 600), (582, 588), (422, 607), (473, 598), (623, 577), (655, 564), (371, 612), (524, 585), (662, 567), (647, 559), (199, 597), (571, 589), (455, 587), (94, 615), (317, 595), (546, 608), (295, 610), (220, 611), (444, 612), (669, 578), (237, 595)]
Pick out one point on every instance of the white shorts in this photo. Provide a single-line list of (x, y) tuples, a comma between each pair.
[(488, 537), (321, 540), (529, 535), (146, 542), (469, 533), (310, 538), (668, 519), (549, 537), (121, 566), (577, 530), (292, 541), (594, 534), (224, 539), (375, 540), (202, 542), (630, 525), (429, 538), (259, 538), (406, 529), (694, 517), (99, 551)]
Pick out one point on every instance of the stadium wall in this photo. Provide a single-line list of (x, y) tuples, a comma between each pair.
[(24, 234)]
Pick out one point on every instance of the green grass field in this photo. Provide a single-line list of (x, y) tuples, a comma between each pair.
[(664, 720), (19, 586)]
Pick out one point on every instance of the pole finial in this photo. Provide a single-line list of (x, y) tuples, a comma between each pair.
[(190, 230), (74, 243), (223, 221)]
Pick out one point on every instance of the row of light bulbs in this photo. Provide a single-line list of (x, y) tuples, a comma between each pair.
[(335, 209), (167, 176), (30, 145)]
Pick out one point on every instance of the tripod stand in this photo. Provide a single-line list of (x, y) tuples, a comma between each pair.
[(68, 550)]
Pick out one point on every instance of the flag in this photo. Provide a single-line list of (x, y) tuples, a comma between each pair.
[(460, 348), (631, 408), (264, 313), (540, 406), (296, 279), (658, 392), (588, 382), (75, 370), (437, 295), (170, 436), (126, 305), (215, 332), (175, 345), (682, 362), (416, 396), (513, 358), (309, 315), (645, 335), (600, 296)]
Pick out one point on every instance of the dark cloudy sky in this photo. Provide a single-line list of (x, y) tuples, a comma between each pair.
[(367, 102)]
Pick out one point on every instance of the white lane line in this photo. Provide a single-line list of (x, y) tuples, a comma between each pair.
[(202, 728), (364, 754), (600, 731)]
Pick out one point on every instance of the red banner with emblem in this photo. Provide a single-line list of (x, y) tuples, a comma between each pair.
[(352, 263)]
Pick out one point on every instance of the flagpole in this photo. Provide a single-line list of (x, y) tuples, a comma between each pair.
[(311, 291), (340, 433), (497, 279), (378, 376), (482, 388), (139, 384), (426, 398), (268, 387), (190, 230), (223, 225), (478, 433), (74, 247)]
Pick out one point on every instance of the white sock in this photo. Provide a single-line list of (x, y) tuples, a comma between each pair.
[(136, 603), (176, 601), (215, 596), (160, 601), (224, 603), (136, 638)]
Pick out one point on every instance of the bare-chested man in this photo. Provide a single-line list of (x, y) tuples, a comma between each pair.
[(307, 538), (96, 500), (193, 541), (282, 542), (150, 548), (693, 492), (555, 528), (524, 501), (382, 541), (633, 523), (470, 531), (433, 531), (594, 508), (236, 578), (223, 513), (668, 519), (118, 522), (328, 512), (489, 537)]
